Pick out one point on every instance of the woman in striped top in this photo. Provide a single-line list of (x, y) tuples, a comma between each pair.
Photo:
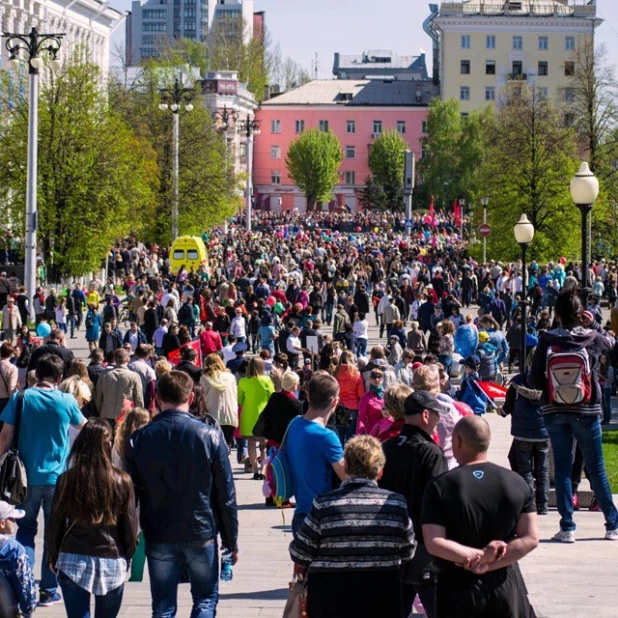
[(354, 541)]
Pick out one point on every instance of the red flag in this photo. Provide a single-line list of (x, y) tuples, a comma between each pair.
[(432, 211), (175, 356), (457, 212)]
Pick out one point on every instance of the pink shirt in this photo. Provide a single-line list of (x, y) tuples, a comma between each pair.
[(369, 412)]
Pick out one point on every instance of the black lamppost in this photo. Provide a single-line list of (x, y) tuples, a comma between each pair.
[(174, 99), (462, 206), (33, 45), (584, 191), (226, 118), (250, 127), (484, 203), (524, 233)]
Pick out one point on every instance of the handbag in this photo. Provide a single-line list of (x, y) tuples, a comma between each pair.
[(297, 603), (260, 426), (13, 478)]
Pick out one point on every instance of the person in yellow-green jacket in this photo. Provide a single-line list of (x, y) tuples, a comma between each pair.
[(254, 390)]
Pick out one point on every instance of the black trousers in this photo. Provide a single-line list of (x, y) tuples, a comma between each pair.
[(499, 594)]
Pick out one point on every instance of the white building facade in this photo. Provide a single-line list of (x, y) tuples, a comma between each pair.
[(83, 22)]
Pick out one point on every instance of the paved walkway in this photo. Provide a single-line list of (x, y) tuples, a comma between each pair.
[(564, 581)]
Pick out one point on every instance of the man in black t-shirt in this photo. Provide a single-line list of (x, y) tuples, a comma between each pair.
[(479, 520)]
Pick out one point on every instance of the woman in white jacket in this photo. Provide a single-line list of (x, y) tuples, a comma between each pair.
[(221, 395)]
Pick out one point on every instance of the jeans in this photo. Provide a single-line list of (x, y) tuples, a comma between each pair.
[(166, 563), (361, 346), (77, 600), (533, 466), (71, 323), (329, 312), (345, 432), (297, 522), (607, 404), (241, 449), (38, 496), (62, 327), (563, 428)]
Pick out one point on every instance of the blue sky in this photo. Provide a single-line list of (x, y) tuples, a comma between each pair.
[(351, 26)]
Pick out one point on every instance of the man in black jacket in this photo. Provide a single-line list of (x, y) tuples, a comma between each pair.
[(54, 346), (183, 512), (187, 364), (412, 460)]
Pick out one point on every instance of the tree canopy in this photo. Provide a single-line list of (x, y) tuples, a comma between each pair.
[(387, 159)]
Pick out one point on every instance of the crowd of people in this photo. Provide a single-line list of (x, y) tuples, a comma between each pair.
[(265, 350)]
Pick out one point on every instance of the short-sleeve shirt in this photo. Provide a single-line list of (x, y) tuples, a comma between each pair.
[(311, 450), (477, 503), (44, 432)]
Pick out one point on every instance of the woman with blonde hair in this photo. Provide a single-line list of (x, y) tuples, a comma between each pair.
[(134, 419), (394, 400), (221, 395), (351, 390), (446, 345), (415, 339), (254, 391)]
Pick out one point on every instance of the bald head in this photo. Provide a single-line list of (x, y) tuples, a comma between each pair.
[(471, 438)]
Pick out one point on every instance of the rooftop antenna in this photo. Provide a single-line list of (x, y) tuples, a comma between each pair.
[(315, 66)]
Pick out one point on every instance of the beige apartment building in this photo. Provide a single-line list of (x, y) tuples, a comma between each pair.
[(484, 45)]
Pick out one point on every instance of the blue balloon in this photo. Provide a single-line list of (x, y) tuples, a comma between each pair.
[(43, 329), (466, 339)]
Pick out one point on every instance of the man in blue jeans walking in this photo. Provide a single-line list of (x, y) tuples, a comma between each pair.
[(184, 485), (43, 443)]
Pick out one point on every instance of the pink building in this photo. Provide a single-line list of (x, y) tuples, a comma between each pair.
[(357, 111)]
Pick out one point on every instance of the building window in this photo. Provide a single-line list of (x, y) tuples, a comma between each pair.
[(350, 152), (275, 126), (465, 41), (490, 93), (543, 69), (190, 25), (190, 12), (543, 43), (518, 68), (275, 177), (464, 116), (490, 67), (569, 119), (377, 127), (569, 69), (569, 43), (401, 127), (569, 95), (491, 41), (464, 93), (324, 125), (154, 26), (424, 126), (275, 152), (543, 93), (350, 178), (465, 67), (154, 13), (300, 126), (351, 126), (518, 42)]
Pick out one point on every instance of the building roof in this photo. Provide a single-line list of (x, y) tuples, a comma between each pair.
[(379, 61), (353, 92), (515, 8)]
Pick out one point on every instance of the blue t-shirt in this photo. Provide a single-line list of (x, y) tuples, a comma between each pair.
[(267, 334), (44, 432), (311, 450)]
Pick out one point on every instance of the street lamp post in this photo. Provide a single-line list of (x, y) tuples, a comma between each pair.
[(524, 233), (227, 118), (175, 99), (462, 206), (33, 44), (584, 191), (484, 202), (250, 127)]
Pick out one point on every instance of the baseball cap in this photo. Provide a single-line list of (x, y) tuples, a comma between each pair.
[(241, 346), (472, 361), (8, 511), (419, 401)]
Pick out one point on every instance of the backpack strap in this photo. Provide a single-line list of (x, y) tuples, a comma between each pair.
[(19, 407), (286, 431)]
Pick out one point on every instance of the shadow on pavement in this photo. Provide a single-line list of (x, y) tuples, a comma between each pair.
[(281, 594)]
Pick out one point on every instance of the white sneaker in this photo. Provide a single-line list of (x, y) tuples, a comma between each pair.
[(566, 536), (611, 535)]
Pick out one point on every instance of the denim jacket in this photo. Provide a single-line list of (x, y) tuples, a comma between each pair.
[(183, 481), (16, 575)]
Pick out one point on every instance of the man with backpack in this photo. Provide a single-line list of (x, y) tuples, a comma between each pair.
[(564, 368)]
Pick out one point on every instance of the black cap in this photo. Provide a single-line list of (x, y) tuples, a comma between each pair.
[(419, 401), (472, 361)]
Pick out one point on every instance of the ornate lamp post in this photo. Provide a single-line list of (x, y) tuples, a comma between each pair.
[(584, 191), (462, 206), (524, 233), (484, 202), (34, 45), (227, 119), (176, 99), (250, 127)]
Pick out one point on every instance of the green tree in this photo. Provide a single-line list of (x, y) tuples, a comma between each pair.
[(313, 162), (528, 163), (96, 178), (371, 196), (453, 151), (209, 190), (387, 160)]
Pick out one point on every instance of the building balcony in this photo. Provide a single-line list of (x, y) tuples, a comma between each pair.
[(517, 77)]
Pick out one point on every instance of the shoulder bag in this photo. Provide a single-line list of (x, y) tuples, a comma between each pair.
[(13, 478)]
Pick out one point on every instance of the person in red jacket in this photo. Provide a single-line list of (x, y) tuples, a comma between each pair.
[(210, 340), (351, 389), (371, 403)]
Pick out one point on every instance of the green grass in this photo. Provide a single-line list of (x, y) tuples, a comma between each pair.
[(610, 452)]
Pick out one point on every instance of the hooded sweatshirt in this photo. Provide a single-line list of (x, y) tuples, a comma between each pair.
[(221, 397), (578, 338)]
